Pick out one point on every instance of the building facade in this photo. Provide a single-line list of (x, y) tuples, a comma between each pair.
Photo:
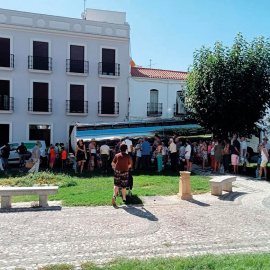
[(156, 94), (57, 71)]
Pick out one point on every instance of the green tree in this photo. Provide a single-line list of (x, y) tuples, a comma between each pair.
[(228, 89)]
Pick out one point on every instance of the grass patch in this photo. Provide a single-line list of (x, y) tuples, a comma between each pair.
[(93, 189), (57, 267), (209, 262)]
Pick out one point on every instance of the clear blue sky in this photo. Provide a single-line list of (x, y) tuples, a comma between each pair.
[(168, 31)]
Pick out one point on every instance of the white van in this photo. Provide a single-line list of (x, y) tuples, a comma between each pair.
[(14, 155)]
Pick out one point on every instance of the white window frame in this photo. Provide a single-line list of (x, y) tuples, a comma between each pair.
[(11, 51), (10, 92), (31, 53), (85, 57), (115, 97), (28, 124), (116, 60), (32, 90), (85, 96)]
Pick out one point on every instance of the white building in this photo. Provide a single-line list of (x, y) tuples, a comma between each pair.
[(57, 71), (156, 93)]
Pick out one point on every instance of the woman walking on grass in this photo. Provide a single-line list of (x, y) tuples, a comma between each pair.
[(121, 164), (80, 154)]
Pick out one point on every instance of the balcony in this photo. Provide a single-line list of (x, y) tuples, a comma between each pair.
[(39, 64), (39, 106), (179, 111), (77, 67), (154, 109), (76, 107), (108, 108), (6, 104), (108, 69), (7, 62)]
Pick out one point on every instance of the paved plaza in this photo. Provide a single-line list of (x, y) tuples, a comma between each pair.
[(237, 222)]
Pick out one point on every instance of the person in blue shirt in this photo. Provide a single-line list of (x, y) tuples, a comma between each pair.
[(145, 152)]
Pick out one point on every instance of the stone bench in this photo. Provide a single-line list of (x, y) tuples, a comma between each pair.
[(7, 192), (221, 183)]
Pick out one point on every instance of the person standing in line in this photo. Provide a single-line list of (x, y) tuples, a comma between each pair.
[(159, 156), (93, 155), (226, 155), (145, 152), (209, 152), (212, 155), (266, 144), (204, 154), (22, 151), (5, 152), (138, 155), (243, 153), (63, 157), (182, 156), (121, 164), (235, 151), (172, 151), (217, 156), (80, 154), (56, 149), (264, 161), (129, 144), (188, 155), (52, 156), (105, 153), (36, 157)]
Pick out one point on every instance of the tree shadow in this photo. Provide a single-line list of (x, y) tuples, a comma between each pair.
[(140, 212), (30, 209), (199, 203)]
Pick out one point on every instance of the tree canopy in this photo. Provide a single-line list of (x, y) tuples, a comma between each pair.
[(228, 88)]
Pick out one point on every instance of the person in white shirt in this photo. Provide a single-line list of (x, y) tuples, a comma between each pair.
[(105, 153), (243, 153), (138, 155), (173, 154), (188, 155), (128, 142)]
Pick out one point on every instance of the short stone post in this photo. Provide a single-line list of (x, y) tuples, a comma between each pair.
[(184, 186)]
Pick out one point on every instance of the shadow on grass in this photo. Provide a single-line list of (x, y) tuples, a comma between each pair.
[(31, 209), (140, 212)]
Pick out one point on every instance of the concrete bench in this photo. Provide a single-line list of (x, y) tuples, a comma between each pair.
[(7, 192), (221, 183)]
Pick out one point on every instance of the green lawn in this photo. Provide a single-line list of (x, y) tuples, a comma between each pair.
[(92, 189), (208, 262)]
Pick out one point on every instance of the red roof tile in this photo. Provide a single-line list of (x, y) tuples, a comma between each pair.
[(158, 73)]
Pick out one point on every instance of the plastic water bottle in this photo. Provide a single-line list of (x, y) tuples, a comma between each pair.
[(75, 166), (221, 169)]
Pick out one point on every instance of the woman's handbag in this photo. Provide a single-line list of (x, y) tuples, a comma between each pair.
[(29, 164)]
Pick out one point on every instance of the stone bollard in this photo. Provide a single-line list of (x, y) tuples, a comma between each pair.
[(184, 186)]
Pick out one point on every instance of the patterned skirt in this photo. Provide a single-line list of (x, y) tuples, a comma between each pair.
[(121, 178)]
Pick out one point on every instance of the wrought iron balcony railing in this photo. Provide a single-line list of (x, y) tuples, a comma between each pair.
[(39, 105), (109, 69), (154, 109), (40, 63), (77, 66), (108, 108), (6, 103), (76, 106), (7, 61)]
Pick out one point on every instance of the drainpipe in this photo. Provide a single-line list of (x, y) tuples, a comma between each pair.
[(167, 99)]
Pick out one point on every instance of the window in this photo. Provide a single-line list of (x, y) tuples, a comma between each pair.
[(108, 65), (154, 108), (76, 102), (6, 102), (41, 133), (6, 58), (40, 101), (179, 107), (40, 59), (76, 63), (107, 105)]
